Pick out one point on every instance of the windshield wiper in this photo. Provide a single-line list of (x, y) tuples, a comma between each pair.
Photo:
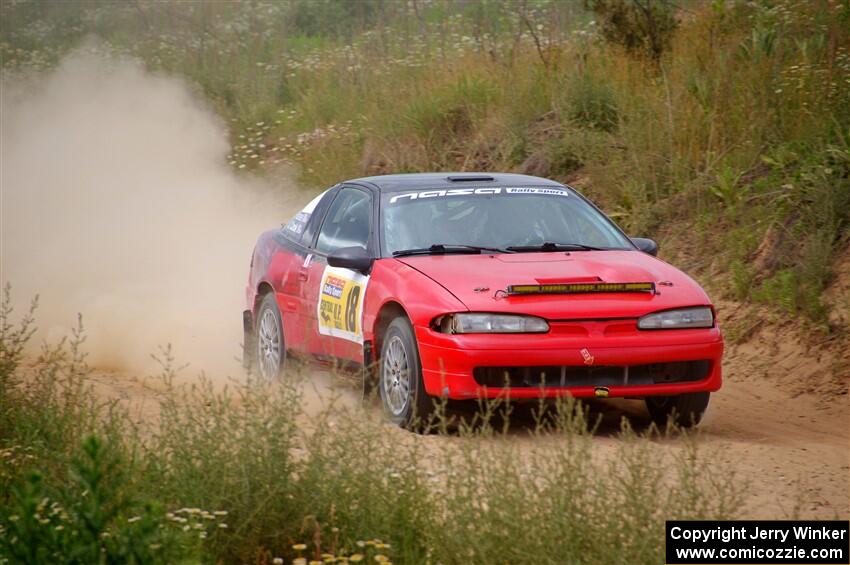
[(550, 246), (442, 248)]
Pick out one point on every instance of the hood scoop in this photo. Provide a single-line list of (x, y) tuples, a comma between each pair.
[(565, 280)]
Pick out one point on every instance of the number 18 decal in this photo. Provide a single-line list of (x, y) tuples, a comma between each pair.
[(340, 307)]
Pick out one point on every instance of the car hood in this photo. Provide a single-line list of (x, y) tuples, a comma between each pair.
[(479, 281)]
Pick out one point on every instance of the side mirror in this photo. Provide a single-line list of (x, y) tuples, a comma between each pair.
[(646, 245), (355, 258)]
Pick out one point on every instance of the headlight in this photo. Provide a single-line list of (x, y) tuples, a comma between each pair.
[(468, 323), (699, 317)]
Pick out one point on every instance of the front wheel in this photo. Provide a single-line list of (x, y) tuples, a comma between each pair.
[(400, 383), (271, 351), (686, 410)]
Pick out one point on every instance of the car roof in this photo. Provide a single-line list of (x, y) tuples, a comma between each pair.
[(416, 181)]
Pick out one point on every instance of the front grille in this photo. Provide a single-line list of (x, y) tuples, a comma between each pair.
[(567, 375)]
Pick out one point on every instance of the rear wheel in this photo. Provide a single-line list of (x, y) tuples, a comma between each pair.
[(400, 383), (271, 350), (686, 410)]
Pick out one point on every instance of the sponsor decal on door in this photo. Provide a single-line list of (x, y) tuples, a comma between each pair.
[(340, 307)]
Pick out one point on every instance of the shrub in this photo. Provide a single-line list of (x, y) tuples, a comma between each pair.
[(92, 519), (642, 27)]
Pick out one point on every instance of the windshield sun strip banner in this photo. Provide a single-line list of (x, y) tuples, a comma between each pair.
[(580, 288), (489, 190)]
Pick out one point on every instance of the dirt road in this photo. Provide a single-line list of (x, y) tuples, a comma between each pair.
[(793, 452)]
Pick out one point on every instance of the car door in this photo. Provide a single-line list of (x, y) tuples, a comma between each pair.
[(288, 269), (334, 296)]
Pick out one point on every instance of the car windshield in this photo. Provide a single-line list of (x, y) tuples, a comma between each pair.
[(495, 217)]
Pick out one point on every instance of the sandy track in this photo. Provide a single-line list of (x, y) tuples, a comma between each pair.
[(794, 453)]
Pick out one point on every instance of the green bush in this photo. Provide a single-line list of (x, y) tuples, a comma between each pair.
[(642, 27), (590, 103), (91, 519)]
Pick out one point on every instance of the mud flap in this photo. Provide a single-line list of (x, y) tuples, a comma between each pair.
[(249, 340), (370, 372)]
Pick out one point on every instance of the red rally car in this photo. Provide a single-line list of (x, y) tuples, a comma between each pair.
[(480, 285)]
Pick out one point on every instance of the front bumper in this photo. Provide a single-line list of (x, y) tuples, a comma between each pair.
[(591, 352)]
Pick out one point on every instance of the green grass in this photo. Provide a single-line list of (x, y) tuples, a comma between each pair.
[(243, 474)]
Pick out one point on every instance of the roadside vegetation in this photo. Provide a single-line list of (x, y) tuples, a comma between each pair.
[(721, 126), (241, 474)]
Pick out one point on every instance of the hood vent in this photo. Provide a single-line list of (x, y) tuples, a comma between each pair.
[(471, 178)]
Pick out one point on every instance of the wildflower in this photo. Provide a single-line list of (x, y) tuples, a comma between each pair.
[(356, 558), (222, 526), (277, 561), (299, 546), (381, 558), (133, 519), (299, 561)]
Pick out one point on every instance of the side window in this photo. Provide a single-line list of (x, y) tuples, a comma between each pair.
[(347, 221), (294, 229)]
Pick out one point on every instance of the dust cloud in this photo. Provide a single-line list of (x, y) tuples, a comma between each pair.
[(117, 203)]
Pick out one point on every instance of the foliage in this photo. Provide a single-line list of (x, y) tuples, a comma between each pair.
[(91, 519), (281, 482), (642, 27)]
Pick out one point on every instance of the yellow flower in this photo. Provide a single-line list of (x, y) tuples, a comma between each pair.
[(381, 558), (299, 561), (357, 557), (299, 546)]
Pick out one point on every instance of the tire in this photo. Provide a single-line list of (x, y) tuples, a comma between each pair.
[(400, 383), (270, 347), (686, 410)]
